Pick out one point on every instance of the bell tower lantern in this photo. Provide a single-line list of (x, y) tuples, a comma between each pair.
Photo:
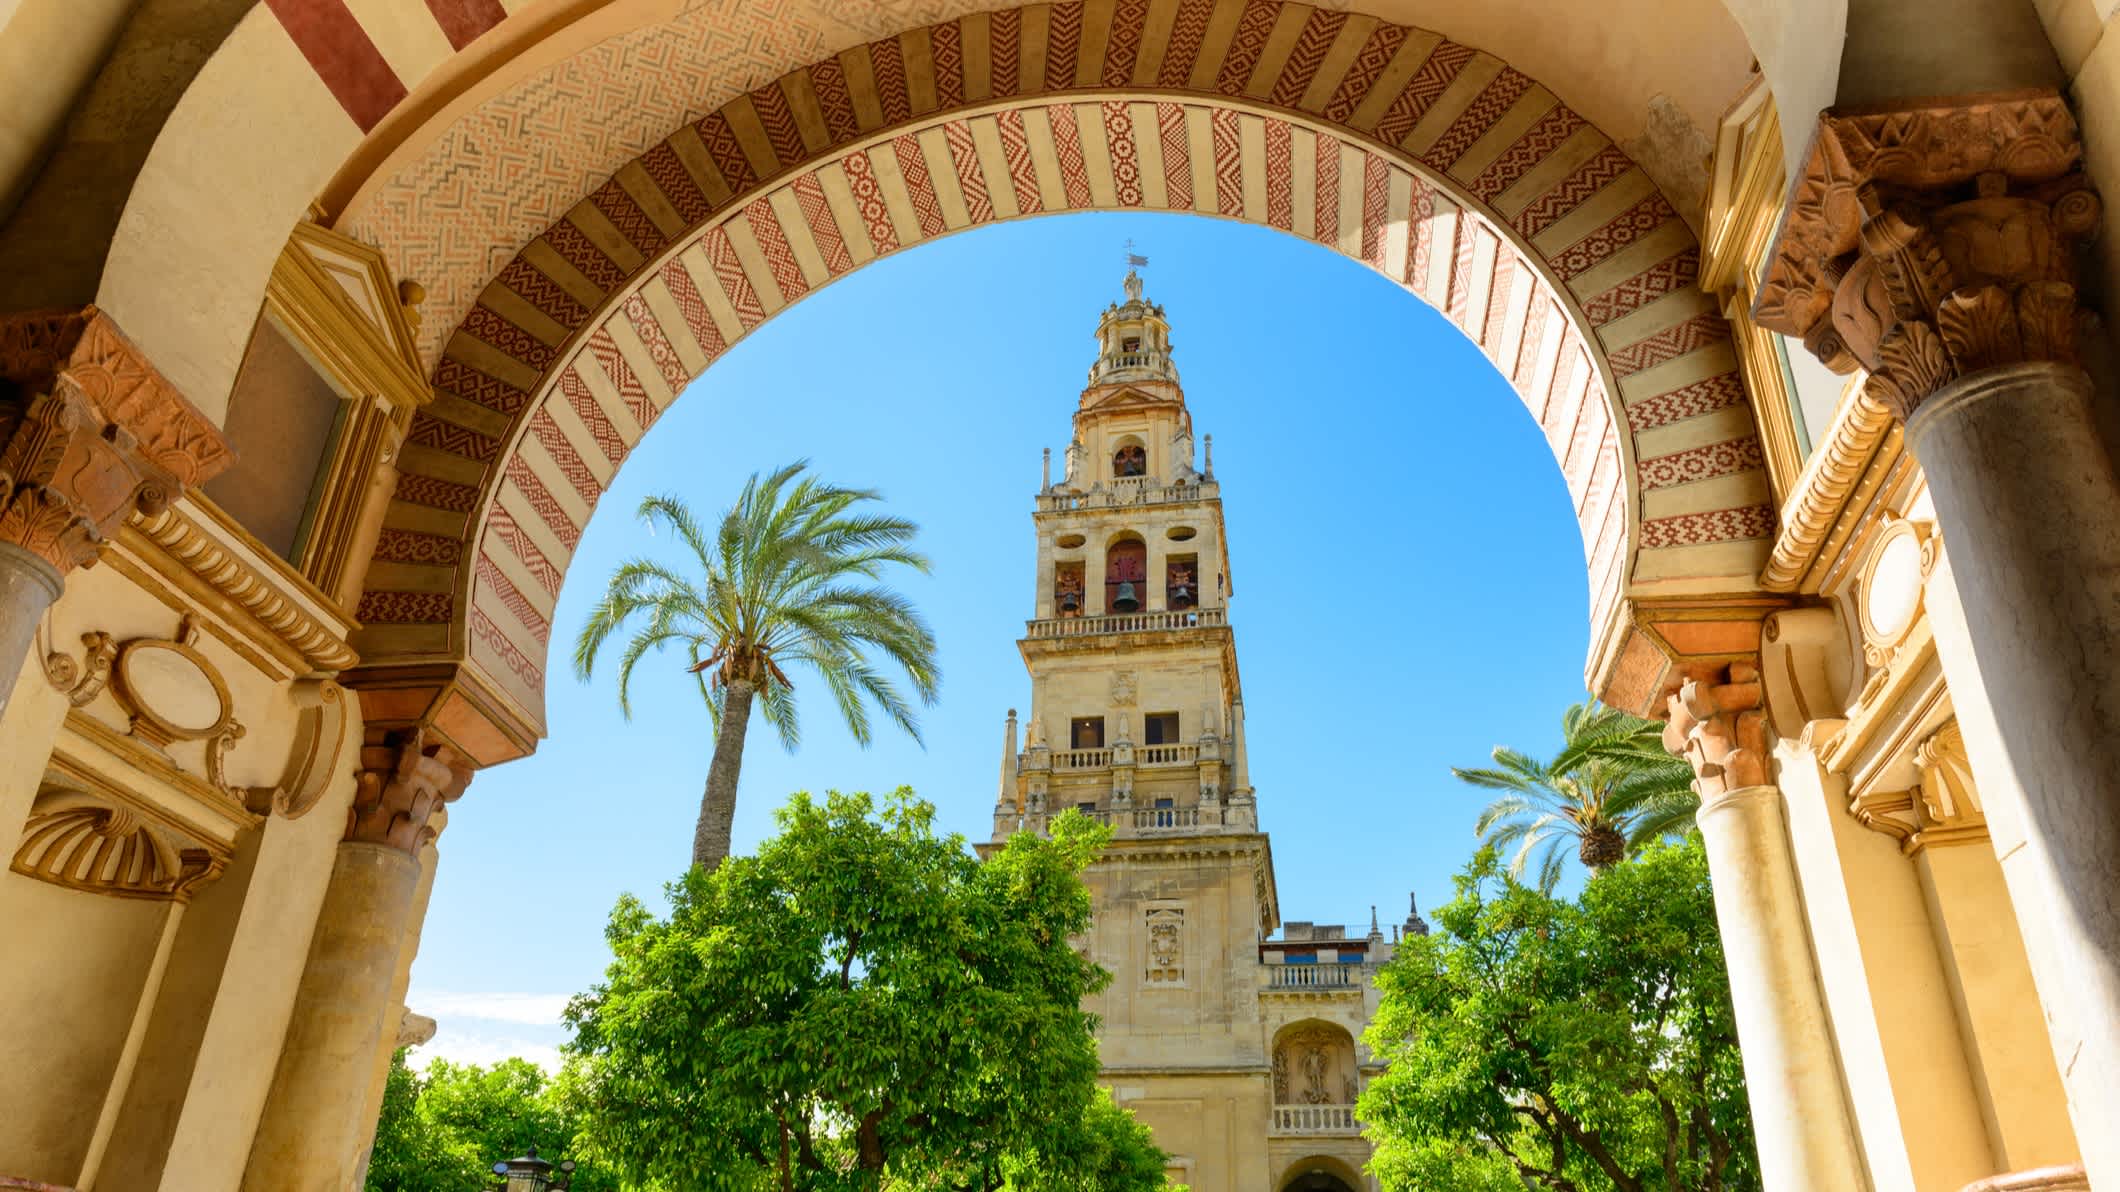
[(1136, 708)]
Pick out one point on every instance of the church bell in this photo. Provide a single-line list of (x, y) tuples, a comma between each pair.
[(1126, 601)]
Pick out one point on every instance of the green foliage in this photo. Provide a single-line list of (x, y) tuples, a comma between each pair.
[(1611, 790), (863, 1004), (783, 582), (777, 581), (442, 1130), (1584, 1046)]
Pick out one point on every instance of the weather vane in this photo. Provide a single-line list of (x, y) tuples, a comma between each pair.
[(1133, 258)]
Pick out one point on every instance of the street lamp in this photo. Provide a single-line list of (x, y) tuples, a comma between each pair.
[(528, 1173)]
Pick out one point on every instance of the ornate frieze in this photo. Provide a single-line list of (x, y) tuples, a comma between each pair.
[(1930, 241), (89, 434), (403, 781)]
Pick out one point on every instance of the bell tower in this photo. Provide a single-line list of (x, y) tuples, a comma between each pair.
[(1137, 719)]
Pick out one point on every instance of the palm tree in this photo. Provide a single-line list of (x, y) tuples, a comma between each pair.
[(781, 583), (1612, 788)]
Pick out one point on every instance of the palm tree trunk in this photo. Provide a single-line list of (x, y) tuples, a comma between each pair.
[(717, 804)]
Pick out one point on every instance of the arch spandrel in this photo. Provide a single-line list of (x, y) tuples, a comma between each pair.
[(1441, 166), (490, 120), (579, 378)]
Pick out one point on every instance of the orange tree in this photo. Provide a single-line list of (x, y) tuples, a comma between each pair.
[(1576, 1046), (863, 1004)]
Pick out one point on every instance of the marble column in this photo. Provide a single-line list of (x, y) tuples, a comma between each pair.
[(315, 1131), (1800, 1116), (28, 586), (2030, 620), (89, 433), (1936, 246)]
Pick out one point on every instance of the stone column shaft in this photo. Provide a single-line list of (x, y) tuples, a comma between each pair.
[(315, 1131), (1792, 1079), (309, 1138), (1800, 1114), (28, 586), (1936, 245), (2030, 509)]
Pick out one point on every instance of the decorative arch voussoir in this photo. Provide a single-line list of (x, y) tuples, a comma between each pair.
[(1444, 168)]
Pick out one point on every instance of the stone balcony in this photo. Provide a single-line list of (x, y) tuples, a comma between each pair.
[(1143, 757), (1155, 622), (1148, 823), (1315, 1121), (1315, 977), (1127, 492)]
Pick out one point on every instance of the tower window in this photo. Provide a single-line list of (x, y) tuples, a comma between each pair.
[(1160, 728), (1131, 343), (1181, 582), (1085, 732), (1130, 460), (1126, 576)]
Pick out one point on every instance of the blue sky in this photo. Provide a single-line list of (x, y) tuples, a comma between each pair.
[(1409, 586)]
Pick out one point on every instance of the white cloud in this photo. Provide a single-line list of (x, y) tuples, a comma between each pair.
[(466, 1046), (526, 1009)]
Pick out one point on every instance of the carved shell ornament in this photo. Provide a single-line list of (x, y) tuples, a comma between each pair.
[(76, 840)]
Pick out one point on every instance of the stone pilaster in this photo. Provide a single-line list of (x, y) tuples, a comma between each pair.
[(89, 434), (1800, 1115), (1935, 245), (315, 1131)]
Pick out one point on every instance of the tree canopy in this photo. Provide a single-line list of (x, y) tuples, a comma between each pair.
[(863, 1004), (1611, 789), (1584, 1046), (784, 581), (443, 1129)]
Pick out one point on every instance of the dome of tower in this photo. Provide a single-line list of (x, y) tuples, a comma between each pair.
[(1133, 340)]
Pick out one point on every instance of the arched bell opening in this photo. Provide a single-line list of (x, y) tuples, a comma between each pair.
[(1126, 574)]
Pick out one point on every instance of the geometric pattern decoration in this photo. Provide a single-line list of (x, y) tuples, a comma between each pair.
[(1441, 167)]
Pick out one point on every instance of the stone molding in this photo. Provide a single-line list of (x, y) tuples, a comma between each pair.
[(1928, 241), (91, 435), (202, 554), (1718, 725), (1862, 430), (2069, 1178), (402, 783)]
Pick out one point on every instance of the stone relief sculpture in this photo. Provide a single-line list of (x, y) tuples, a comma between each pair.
[(1166, 957), (1314, 1066)]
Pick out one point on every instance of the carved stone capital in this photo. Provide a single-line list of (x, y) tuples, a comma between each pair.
[(402, 783), (89, 433), (1717, 724), (1929, 241)]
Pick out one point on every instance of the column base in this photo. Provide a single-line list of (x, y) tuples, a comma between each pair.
[(2039, 1179)]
